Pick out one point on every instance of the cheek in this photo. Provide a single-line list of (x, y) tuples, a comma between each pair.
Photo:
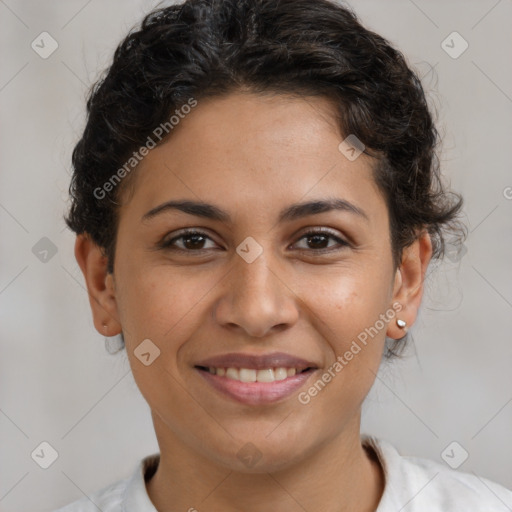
[(347, 308), (162, 303), (348, 300), (164, 306)]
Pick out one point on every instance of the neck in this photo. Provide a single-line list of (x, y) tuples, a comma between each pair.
[(339, 476)]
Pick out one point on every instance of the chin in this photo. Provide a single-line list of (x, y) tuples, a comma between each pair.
[(261, 454)]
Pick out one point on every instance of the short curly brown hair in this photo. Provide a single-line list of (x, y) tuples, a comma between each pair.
[(206, 48)]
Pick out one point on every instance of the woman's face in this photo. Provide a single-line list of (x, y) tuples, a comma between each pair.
[(268, 275)]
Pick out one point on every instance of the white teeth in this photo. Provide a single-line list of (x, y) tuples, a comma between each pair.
[(251, 375), (246, 375), (281, 373), (232, 373), (266, 375)]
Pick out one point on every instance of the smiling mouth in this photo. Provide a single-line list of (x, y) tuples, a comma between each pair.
[(252, 375)]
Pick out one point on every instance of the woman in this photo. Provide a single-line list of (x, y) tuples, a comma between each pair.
[(256, 199)]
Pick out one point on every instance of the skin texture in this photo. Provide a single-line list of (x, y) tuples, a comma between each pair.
[(252, 156)]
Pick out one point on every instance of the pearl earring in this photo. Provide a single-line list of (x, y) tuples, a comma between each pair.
[(113, 344), (401, 323)]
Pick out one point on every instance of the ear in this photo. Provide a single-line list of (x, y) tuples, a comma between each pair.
[(409, 282), (100, 285)]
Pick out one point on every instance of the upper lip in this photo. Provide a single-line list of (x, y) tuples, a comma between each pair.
[(256, 362)]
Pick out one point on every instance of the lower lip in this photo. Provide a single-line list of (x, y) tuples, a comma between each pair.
[(255, 393)]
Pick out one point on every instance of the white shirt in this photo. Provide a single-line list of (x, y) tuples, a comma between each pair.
[(411, 485)]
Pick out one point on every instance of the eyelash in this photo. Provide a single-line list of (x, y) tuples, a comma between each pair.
[(168, 244)]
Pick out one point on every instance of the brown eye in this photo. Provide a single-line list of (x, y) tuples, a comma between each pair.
[(317, 241), (193, 241), (320, 240), (189, 241)]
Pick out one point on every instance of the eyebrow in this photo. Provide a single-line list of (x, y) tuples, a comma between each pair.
[(293, 212)]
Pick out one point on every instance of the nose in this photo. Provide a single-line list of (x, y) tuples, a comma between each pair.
[(256, 299)]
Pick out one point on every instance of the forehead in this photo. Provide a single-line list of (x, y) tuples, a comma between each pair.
[(251, 150)]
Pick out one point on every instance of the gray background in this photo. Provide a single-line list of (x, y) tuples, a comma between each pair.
[(58, 384)]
